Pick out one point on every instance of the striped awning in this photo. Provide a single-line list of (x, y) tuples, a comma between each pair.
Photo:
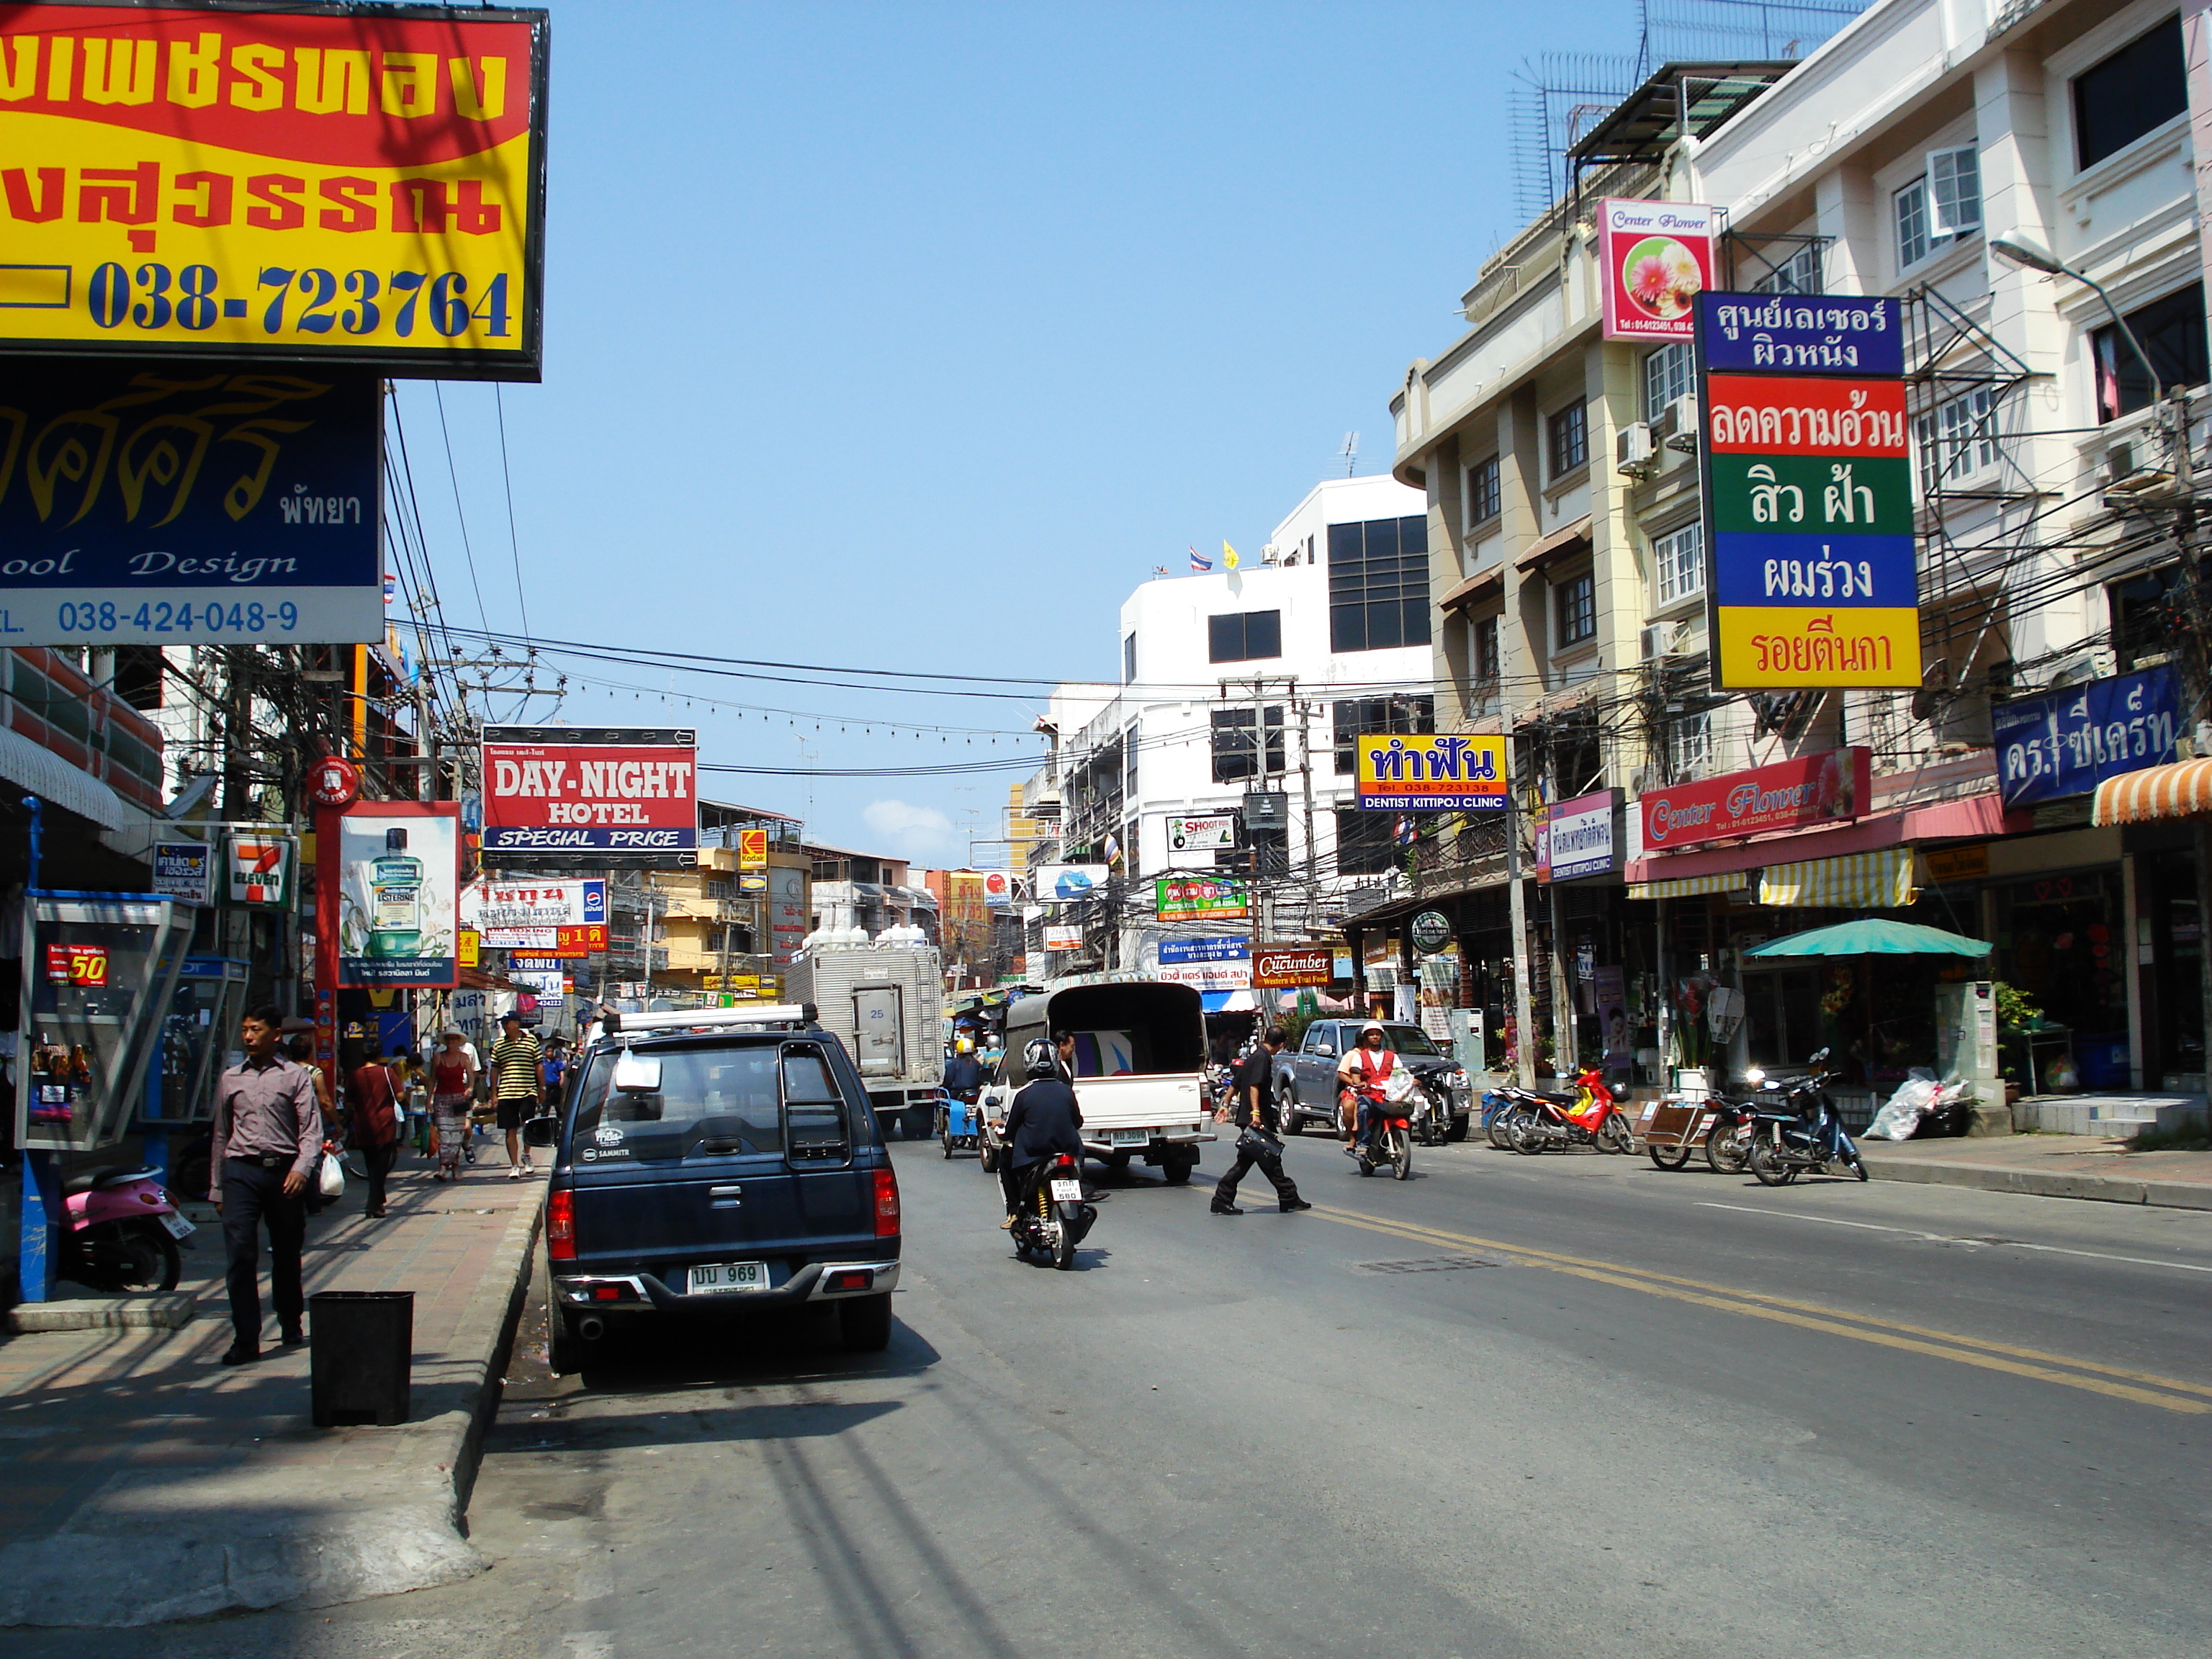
[(1736, 881), (1853, 881), (2182, 790)]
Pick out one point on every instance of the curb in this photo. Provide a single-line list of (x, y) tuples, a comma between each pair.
[(2044, 1183), (384, 1521)]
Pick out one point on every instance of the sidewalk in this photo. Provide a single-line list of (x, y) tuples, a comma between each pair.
[(141, 1481), (2049, 1166)]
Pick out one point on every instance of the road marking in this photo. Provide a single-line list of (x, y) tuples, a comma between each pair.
[(1953, 1238), (1753, 1304)]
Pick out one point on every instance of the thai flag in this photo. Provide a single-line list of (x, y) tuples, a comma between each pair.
[(1199, 561)]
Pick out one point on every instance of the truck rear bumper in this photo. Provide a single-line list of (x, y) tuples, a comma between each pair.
[(641, 1293), (1103, 1141)]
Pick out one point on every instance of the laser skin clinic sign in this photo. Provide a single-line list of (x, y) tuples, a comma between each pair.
[(1808, 493), (399, 884), (145, 504), (310, 184), (1658, 259), (626, 791)]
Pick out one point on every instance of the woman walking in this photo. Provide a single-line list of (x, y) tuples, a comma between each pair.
[(376, 1124), (453, 1077)]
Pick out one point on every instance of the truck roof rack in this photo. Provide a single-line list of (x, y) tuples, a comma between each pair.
[(711, 1019)]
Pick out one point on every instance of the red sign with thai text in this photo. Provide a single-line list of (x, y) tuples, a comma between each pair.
[(77, 964), (1795, 794)]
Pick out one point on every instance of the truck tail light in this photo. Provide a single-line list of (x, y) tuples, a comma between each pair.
[(561, 1225), (887, 1204)]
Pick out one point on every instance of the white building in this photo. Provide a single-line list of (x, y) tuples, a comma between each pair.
[(1246, 681)]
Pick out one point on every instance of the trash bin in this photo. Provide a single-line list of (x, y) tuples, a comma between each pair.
[(361, 1345)]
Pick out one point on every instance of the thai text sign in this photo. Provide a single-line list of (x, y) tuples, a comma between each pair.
[(1209, 964), (1658, 257), (1801, 334), (1286, 967), (1809, 513), (1577, 838), (575, 789), (1062, 936), (1806, 793), (564, 942), (493, 905), (143, 505), (77, 964), (184, 870), (2069, 742), (1199, 898), (297, 184), (1431, 773)]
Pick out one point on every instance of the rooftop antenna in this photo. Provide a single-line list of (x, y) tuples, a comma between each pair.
[(1350, 454)]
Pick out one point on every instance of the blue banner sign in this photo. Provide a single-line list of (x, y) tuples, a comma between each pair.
[(1801, 334), (171, 504), (2069, 742), (1205, 950)]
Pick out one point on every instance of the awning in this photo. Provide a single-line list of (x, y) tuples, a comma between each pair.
[(2182, 790), (1736, 881), (52, 779), (1853, 881), (1228, 1002), (1557, 545), (1873, 936), (1483, 584)]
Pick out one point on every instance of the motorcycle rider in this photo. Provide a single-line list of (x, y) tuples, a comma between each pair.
[(1254, 1074), (1042, 1122), (1364, 1072), (964, 1077)]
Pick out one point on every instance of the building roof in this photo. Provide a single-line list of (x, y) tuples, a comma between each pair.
[(1691, 97), (733, 810)]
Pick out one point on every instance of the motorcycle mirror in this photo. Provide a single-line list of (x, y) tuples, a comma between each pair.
[(1820, 1057)]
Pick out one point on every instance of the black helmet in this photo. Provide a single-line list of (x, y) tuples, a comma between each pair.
[(1039, 1059)]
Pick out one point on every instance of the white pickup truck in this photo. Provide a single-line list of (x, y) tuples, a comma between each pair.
[(1139, 1068)]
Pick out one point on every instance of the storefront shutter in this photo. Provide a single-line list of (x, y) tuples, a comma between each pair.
[(1736, 881)]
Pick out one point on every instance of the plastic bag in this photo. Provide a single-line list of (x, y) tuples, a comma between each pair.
[(330, 1179), (1901, 1115)]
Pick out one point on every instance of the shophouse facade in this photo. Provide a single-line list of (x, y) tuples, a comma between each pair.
[(1889, 162)]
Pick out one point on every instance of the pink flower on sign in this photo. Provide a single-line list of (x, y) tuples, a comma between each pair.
[(1651, 281)]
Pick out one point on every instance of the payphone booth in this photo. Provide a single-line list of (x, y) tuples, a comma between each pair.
[(199, 1038)]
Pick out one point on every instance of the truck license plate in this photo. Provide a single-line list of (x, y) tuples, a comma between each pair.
[(1130, 1137), (1068, 1192), (725, 1276)]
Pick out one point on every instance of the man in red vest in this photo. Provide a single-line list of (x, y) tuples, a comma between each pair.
[(1364, 1072)]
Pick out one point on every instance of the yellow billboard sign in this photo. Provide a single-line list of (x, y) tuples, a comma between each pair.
[(1428, 772), (182, 180)]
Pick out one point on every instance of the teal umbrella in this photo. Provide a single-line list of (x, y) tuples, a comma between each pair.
[(1873, 936)]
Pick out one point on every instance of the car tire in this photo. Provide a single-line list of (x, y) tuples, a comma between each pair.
[(1177, 1172), (565, 1352), (987, 1159), (864, 1322), (1286, 1113), (1460, 1125)]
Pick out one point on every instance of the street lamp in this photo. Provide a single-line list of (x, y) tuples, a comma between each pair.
[(2034, 258)]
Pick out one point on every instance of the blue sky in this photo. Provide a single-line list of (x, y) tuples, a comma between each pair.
[(915, 336)]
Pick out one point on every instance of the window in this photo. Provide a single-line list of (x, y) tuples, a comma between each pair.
[(1666, 377), (1364, 843), (1355, 717), (1678, 564), (1796, 272), (1574, 608), (2140, 87), (1378, 584), (1569, 434), (1128, 659), (1943, 204), (1957, 438), (1129, 764), (1242, 738), (2172, 331), (1483, 496), (2149, 612), (1245, 636), (1485, 656), (1689, 747)]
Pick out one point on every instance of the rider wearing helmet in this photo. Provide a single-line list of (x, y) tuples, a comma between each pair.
[(1044, 1122), (1363, 1071)]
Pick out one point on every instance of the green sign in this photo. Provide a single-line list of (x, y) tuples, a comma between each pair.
[(1431, 931)]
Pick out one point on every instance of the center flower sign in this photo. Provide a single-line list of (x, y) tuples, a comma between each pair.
[(1658, 259)]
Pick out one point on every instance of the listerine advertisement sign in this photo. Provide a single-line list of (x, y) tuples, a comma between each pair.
[(399, 868)]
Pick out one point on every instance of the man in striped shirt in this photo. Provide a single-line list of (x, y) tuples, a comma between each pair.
[(518, 1083)]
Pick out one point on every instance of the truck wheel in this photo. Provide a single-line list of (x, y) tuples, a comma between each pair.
[(865, 1322), (1117, 1162), (985, 1159), (1286, 1113), (565, 1352), (1460, 1126), (1175, 1171)]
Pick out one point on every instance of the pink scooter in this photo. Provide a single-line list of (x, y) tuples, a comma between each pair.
[(123, 1232)]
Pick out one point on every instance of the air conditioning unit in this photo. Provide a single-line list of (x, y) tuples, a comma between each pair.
[(1662, 639), (1635, 450), (1680, 424)]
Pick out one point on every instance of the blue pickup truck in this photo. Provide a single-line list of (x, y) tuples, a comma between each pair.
[(715, 1162), (1306, 1079)]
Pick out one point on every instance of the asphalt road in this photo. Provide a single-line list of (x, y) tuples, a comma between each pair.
[(1569, 1406)]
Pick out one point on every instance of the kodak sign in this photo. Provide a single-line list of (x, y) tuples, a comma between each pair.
[(181, 180)]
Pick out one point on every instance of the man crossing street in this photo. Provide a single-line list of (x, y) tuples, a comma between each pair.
[(518, 1083), (1253, 1084)]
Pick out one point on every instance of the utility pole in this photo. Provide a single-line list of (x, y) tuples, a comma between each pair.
[(1524, 1020)]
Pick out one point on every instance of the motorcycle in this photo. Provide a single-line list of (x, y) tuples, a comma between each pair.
[(959, 1127), (1055, 1218), (1591, 1118), (1808, 1138), (1390, 1126), (123, 1232), (1728, 1142), (1432, 1110)]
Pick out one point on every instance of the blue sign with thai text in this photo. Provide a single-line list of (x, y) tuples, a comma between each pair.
[(2070, 741), (1205, 950), (1801, 334)]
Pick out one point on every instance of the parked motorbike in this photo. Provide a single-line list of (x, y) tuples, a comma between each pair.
[(1807, 1137), (1728, 1142), (123, 1232), (1591, 1117), (1054, 1220), (959, 1122), (1432, 1110)]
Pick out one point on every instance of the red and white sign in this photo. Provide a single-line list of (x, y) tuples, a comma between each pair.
[(1657, 257), (1812, 791), (493, 904), (559, 789), (334, 782), (1062, 937), (1286, 967), (77, 964), (998, 888), (572, 942)]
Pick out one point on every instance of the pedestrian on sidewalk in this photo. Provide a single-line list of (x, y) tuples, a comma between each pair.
[(1252, 1085), (452, 1081), (268, 1132), (518, 1085), (374, 1092), (554, 1072)]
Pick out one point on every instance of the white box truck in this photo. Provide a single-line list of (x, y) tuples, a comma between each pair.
[(887, 1002)]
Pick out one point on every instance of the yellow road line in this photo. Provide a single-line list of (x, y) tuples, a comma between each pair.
[(1960, 1350)]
